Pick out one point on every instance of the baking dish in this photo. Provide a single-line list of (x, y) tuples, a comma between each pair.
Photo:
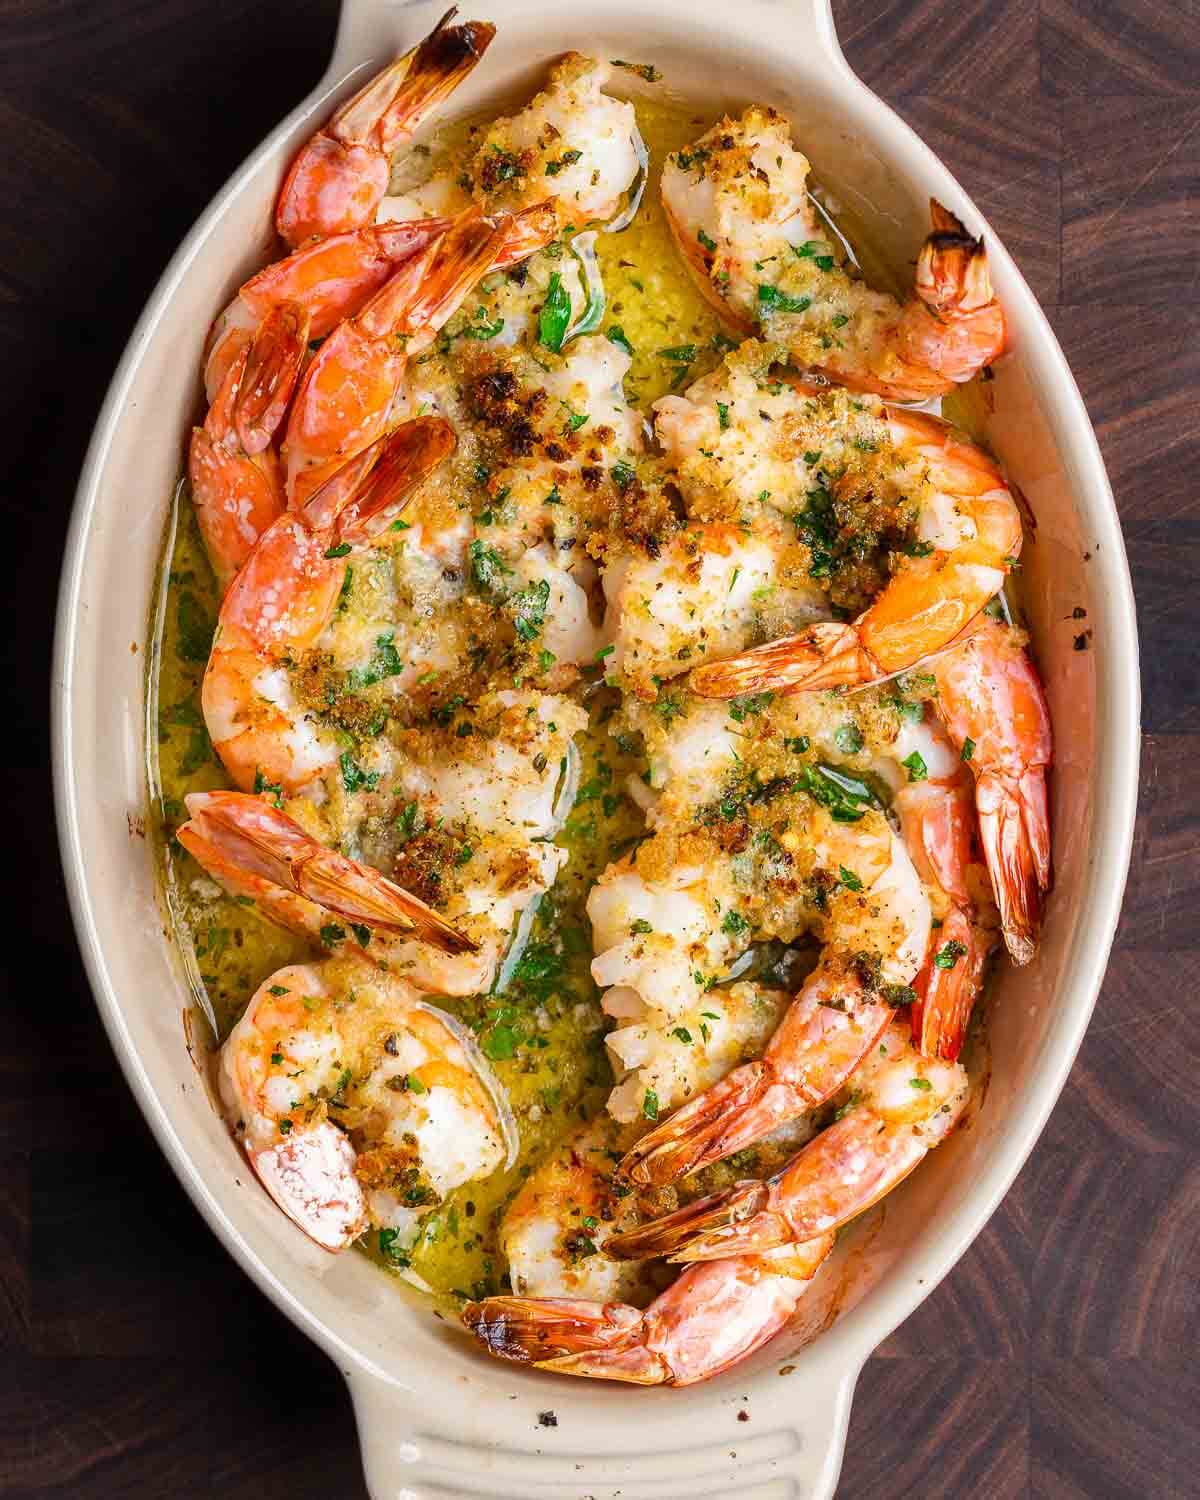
[(437, 1418)]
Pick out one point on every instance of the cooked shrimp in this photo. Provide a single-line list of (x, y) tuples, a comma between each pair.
[(358, 1103), (712, 1317), (350, 389), (471, 834), (574, 147), (991, 700), (712, 587), (264, 843), (553, 1233), (330, 279), (340, 175), (741, 213), (572, 142), (658, 934), (898, 1106), (235, 475), (282, 600), (876, 925), (967, 537), (936, 805), (553, 430)]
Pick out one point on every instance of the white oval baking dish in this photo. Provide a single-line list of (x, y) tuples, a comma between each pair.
[(437, 1418)]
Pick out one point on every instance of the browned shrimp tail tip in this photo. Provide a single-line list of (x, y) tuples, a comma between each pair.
[(669, 1234)]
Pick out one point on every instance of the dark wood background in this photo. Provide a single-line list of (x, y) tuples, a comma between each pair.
[(1058, 1359)]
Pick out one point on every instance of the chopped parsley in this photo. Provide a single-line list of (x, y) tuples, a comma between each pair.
[(948, 955), (555, 314), (915, 765), (772, 300)]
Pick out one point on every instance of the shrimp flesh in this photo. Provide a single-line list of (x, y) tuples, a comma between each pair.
[(357, 1103), (339, 176), (742, 216), (712, 588), (572, 142), (554, 1231), (898, 1106)]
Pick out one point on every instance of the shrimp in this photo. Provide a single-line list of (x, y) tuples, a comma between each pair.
[(236, 479), (471, 834), (898, 1106), (552, 431), (991, 701), (877, 932), (572, 142), (712, 588), (357, 1103), (281, 601), (329, 278), (554, 1231), (712, 1317), (268, 846), (937, 813), (340, 175), (572, 146), (348, 392), (967, 537), (742, 216)]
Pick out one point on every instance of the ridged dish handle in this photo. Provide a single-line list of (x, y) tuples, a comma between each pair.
[(412, 1451), (367, 29)]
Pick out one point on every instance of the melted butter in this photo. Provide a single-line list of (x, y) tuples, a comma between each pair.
[(544, 1034)]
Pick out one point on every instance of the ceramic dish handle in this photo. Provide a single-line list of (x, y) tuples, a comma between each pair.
[(360, 23), (411, 1452)]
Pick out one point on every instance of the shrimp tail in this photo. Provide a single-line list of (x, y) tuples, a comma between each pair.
[(825, 655), (434, 70), (952, 270), (338, 177), (697, 1133), (954, 325), (946, 996), (714, 1217), (404, 458), (236, 480), (827, 1030), (1015, 831), (839, 1175), (709, 1319), (569, 1335), (267, 843), (269, 378)]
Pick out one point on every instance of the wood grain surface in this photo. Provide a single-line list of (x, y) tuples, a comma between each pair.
[(1057, 1360)]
